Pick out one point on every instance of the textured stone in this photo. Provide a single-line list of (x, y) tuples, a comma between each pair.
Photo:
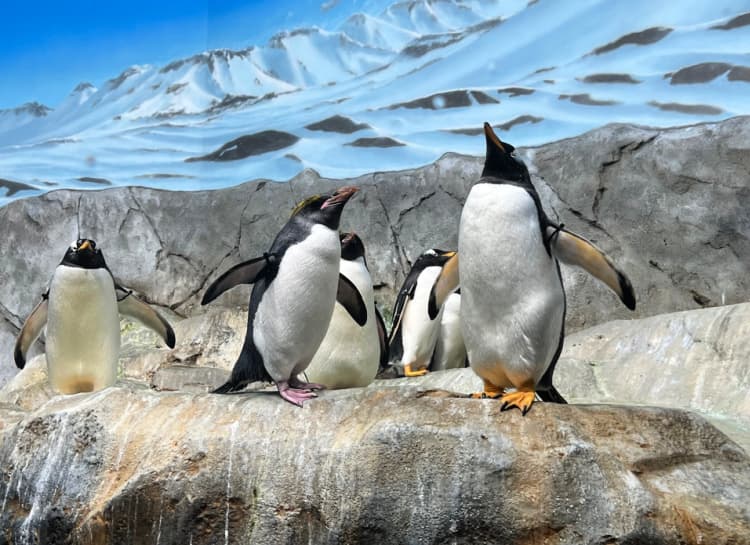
[(128, 465)]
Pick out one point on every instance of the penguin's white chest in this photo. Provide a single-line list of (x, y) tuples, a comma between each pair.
[(450, 351), (296, 308), (512, 298), (419, 334), (83, 330), (349, 355)]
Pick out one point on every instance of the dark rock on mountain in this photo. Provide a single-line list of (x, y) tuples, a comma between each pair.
[(610, 78), (699, 73), (644, 37), (697, 109), (337, 123), (249, 145), (376, 142)]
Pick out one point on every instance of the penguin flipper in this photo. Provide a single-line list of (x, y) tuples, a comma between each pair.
[(30, 332), (573, 249), (244, 273), (395, 345), (383, 339), (349, 297), (446, 284), (129, 305)]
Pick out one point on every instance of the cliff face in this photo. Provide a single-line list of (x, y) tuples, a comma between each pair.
[(666, 205)]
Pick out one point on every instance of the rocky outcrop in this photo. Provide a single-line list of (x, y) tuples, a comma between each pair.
[(378, 465), (666, 205)]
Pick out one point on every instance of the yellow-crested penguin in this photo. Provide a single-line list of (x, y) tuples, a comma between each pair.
[(296, 284)]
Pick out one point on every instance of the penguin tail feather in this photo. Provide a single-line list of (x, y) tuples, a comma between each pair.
[(551, 396), (227, 387)]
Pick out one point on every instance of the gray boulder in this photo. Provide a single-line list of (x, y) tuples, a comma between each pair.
[(129, 465)]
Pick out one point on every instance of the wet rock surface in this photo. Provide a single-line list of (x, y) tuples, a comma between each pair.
[(376, 465)]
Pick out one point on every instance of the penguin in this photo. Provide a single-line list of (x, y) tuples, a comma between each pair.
[(295, 286), (414, 333), (81, 310), (512, 296), (351, 354), (450, 350)]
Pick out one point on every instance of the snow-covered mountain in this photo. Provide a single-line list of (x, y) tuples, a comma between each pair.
[(387, 91)]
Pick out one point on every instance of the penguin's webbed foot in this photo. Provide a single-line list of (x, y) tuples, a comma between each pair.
[(295, 396), (490, 391), (409, 372), (523, 399)]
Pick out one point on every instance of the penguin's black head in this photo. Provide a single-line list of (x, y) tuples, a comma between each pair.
[(501, 160), (83, 253), (325, 209), (433, 258), (351, 246)]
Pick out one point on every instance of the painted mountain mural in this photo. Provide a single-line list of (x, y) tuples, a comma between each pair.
[(386, 91)]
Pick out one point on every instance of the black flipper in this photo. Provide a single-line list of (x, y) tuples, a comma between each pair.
[(551, 396), (244, 273), (395, 343), (249, 366), (349, 297), (383, 338), (30, 331)]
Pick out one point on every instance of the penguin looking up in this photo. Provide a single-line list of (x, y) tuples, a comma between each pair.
[(295, 286), (512, 297), (414, 330), (81, 311), (351, 353)]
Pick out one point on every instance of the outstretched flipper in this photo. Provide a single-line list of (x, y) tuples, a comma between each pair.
[(445, 284), (30, 332), (244, 273), (349, 297), (572, 249), (129, 305)]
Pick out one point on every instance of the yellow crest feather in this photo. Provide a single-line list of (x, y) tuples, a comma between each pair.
[(304, 203)]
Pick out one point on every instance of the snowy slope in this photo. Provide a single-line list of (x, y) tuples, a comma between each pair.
[(407, 85)]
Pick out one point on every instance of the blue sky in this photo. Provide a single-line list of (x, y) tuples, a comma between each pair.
[(50, 46)]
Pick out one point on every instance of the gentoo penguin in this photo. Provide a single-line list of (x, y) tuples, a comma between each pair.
[(512, 296), (296, 284), (351, 354), (414, 333), (450, 350), (81, 310)]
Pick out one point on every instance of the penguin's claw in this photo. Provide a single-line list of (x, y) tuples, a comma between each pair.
[(408, 372), (523, 399), (295, 396)]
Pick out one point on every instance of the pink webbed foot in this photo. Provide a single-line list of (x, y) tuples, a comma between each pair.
[(295, 396)]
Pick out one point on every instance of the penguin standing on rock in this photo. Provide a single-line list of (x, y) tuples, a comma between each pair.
[(414, 332), (512, 296), (450, 350), (351, 352), (296, 285), (81, 311)]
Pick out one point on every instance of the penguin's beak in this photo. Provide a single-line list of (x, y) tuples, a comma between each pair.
[(340, 197), (85, 246), (346, 238), (449, 254), (492, 137)]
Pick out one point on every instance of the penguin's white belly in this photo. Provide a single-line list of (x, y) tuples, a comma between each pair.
[(450, 350), (512, 297), (418, 333), (349, 355), (296, 308), (83, 330)]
